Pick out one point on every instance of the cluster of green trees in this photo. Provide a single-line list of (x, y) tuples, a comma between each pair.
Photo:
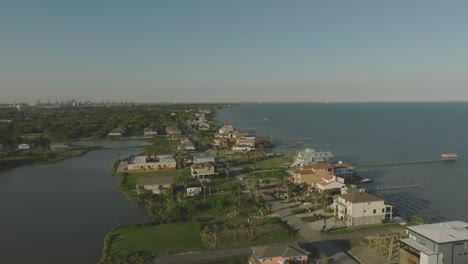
[(66, 124)]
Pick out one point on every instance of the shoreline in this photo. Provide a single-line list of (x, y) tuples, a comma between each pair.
[(55, 158)]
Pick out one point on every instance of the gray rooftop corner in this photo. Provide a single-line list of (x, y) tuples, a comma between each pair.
[(446, 232), (290, 249)]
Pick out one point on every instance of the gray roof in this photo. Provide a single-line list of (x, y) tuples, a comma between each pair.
[(445, 232), (285, 250), (417, 246), (159, 180)]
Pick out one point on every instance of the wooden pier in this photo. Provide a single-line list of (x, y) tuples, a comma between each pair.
[(377, 164), (397, 187)]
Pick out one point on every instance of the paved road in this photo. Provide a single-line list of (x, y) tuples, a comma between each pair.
[(185, 257), (320, 242)]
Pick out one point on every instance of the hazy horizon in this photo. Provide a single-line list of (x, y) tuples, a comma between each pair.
[(234, 51)]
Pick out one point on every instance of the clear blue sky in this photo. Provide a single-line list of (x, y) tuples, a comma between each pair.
[(242, 50)]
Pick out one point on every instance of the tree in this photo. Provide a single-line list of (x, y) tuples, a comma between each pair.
[(269, 207), (261, 211), (203, 183), (418, 220), (325, 195)]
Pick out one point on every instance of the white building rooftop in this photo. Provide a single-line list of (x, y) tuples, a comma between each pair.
[(445, 232), (142, 159)]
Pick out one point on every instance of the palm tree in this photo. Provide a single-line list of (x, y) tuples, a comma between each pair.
[(269, 207), (227, 170), (324, 199), (203, 183), (262, 211), (256, 187)]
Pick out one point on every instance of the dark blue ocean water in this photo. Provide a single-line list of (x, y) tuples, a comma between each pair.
[(361, 133)]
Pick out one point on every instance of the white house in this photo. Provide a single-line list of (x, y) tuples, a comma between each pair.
[(362, 208), (203, 159), (186, 144), (24, 146), (308, 155), (150, 131), (193, 191), (59, 146), (152, 184), (329, 182), (226, 129), (118, 132), (438, 243)]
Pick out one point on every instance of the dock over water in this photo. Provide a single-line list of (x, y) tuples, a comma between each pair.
[(446, 157)]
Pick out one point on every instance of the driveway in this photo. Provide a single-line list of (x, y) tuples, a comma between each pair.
[(335, 255)]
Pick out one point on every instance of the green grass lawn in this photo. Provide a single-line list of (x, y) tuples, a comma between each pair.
[(267, 174), (156, 240), (276, 161), (132, 177)]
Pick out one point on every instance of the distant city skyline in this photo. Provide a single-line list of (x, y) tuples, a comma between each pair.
[(233, 51)]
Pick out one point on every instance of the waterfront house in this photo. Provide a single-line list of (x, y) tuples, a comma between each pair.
[(290, 252), (202, 170), (311, 173), (244, 144), (225, 130), (24, 146), (150, 131), (118, 132), (361, 208), (59, 146), (342, 169), (151, 163), (438, 243), (193, 191), (153, 184), (328, 182), (308, 155)]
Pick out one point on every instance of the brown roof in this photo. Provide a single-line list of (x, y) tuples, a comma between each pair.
[(342, 165), (303, 172), (285, 250), (203, 165), (360, 197), (160, 180), (318, 166)]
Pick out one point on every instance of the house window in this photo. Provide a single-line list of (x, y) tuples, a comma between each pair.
[(375, 211), (364, 211), (383, 210)]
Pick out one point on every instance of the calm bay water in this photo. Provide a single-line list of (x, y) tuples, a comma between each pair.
[(60, 213), (361, 133)]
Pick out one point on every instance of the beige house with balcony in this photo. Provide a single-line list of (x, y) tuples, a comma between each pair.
[(202, 170), (361, 208), (290, 252)]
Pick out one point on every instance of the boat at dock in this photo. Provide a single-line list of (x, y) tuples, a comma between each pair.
[(449, 156)]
